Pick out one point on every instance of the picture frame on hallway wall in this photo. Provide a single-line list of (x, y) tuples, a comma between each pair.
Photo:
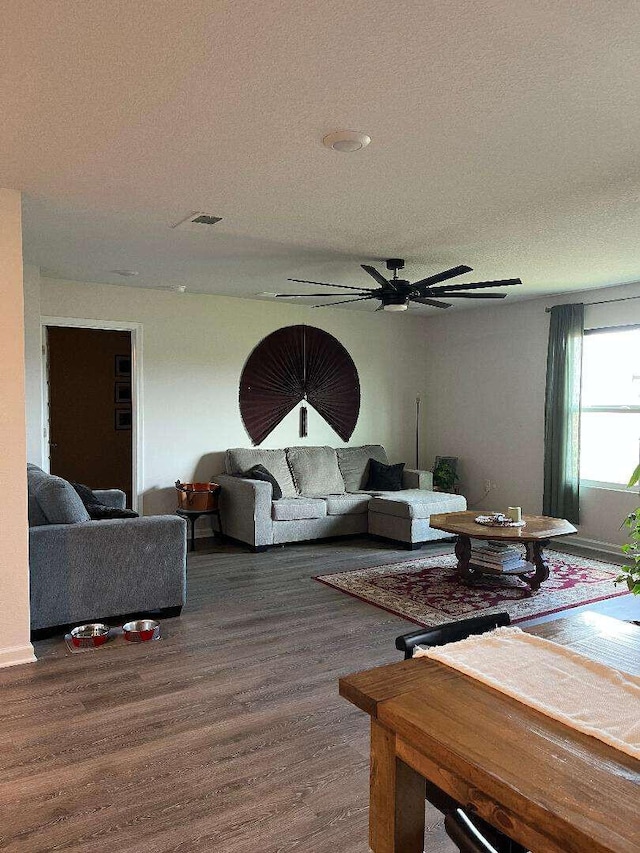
[(123, 367), (123, 392), (123, 420)]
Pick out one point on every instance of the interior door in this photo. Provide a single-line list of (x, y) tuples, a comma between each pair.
[(90, 406)]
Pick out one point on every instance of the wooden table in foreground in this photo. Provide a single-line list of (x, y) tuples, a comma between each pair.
[(546, 786), (534, 536)]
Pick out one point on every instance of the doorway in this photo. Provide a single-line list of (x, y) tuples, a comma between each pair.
[(91, 406)]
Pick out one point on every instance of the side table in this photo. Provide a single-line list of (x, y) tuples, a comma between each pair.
[(192, 515)]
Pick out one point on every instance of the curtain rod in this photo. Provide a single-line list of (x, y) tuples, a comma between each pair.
[(603, 302)]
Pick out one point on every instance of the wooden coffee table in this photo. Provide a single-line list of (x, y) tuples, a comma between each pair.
[(534, 536)]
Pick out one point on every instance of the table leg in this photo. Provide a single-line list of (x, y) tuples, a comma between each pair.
[(535, 556), (193, 520), (463, 553), (396, 801)]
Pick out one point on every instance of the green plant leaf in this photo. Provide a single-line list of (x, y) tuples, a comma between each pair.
[(635, 478)]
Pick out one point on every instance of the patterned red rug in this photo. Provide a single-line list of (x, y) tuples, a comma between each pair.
[(428, 591)]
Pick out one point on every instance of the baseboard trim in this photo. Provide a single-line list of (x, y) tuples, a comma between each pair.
[(15, 655), (592, 547)]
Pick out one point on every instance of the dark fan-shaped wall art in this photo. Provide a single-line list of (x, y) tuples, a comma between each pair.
[(294, 364)]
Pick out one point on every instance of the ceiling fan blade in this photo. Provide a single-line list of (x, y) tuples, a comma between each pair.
[(324, 295), (377, 275), (475, 295), (474, 285), (326, 284), (345, 301), (442, 276), (433, 302)]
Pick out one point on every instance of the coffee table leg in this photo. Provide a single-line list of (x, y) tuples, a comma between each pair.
[(463, 553), (535, 556), (396, 804)]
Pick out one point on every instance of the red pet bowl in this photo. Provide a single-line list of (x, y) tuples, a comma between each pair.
[(94, 634), (141, 631)]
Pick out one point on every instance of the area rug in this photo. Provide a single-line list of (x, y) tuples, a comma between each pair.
[(429, 592)]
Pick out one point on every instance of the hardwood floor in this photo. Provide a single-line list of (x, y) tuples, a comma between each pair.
[(227, 735)]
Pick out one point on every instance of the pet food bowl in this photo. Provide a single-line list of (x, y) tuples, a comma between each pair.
[(141, 631), (94, 634)]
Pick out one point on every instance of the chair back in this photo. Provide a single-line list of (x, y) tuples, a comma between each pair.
[(450, 632)]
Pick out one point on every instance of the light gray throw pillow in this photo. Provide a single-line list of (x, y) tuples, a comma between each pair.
[(315, 470), (239, 459)]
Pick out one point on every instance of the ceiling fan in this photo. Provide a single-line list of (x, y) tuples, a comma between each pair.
[(395, 293)]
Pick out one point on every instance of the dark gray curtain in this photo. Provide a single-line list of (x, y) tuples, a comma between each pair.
[(562, 413)]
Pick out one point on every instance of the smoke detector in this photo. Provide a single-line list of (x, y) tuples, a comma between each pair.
[(346, 141), (196, 221)]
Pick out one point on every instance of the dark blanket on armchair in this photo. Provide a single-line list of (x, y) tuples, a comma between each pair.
[(96, 509)]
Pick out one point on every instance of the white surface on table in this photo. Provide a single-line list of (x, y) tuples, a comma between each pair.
[(581, 693)]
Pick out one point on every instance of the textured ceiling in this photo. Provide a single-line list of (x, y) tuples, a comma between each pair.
[(506, 135)]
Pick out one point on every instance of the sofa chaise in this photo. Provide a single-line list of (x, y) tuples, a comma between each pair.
[(324, 494), (82, 570)]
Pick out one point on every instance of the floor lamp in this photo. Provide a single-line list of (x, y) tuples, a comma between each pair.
[(417, 433)]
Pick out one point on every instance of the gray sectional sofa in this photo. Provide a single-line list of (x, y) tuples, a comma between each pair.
[(324, 494), (83, 570)]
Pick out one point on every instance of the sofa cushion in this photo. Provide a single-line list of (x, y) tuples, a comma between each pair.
[(347, 504), (36, 515), (354, 464), (385, 477), (315, 470), (416, 503), (296, 509), (239, 459), (53, 499), (259, 472)]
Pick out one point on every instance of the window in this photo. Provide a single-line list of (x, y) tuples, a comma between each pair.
[(610, 422)]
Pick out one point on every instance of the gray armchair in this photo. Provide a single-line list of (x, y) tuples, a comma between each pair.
[(83, 570)]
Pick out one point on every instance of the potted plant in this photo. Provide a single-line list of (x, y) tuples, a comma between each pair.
[(444, 476), (631, 573)]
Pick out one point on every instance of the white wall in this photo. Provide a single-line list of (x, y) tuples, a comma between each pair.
[(194, 350), (480, 373), (14, 567), (485, 403), (33, 367)]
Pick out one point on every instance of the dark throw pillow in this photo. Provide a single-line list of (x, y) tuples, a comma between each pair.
[(385, 478), (259, 472), (98, 511)]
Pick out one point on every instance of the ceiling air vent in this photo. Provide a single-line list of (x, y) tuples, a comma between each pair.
[(196, 220)]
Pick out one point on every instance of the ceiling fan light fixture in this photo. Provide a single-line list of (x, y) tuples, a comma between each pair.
[(346, 141), (395, 302)]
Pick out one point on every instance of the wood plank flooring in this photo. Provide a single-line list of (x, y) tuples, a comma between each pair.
[(227, 735)]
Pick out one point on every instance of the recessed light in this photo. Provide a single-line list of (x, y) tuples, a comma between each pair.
[(346, 141), (125, 273)]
